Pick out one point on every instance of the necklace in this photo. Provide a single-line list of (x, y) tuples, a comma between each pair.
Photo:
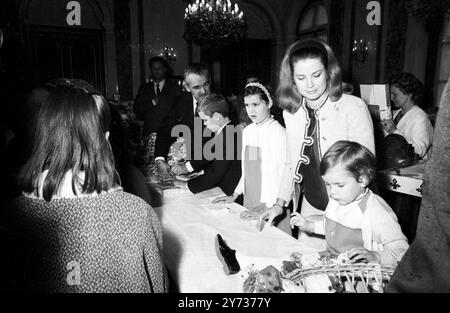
[(269, 117)]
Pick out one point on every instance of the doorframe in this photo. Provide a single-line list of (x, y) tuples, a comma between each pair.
[(28, 29)]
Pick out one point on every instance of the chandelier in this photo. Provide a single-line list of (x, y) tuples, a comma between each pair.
[(214, 23)]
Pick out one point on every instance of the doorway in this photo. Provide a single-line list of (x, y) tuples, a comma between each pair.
[(62, 52), (229, 65)]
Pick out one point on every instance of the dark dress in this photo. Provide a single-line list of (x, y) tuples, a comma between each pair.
[(106, 243)]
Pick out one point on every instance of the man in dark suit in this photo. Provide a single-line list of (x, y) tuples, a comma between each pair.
[(220, 159), (196, 81), (154, 103)]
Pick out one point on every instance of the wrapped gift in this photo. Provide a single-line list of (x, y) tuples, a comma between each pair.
[(267, 280), (177, 151)]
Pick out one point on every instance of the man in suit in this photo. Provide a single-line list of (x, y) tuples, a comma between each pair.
[(154, 103), (196, 81), (220, 160)]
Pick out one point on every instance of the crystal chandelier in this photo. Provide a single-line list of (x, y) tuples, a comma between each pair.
[(168, 53), (214, 23)]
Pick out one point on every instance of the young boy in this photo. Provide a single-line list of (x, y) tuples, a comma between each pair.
[(220, 162), (355, 220)]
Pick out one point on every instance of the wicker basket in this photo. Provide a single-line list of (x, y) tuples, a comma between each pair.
[(359, 277)]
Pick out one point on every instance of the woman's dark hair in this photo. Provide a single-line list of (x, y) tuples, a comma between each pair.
[(357, 160), (254, 90), (408, 84), (287, 94), (70, 136)]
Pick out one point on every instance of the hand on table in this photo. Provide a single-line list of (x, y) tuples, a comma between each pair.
[(179, 169), (388, 126), (271, 213), (361, 254), (180, 184), (224, 199)]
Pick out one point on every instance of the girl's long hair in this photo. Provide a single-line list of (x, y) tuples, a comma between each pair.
[(287, 94), (69, 136)]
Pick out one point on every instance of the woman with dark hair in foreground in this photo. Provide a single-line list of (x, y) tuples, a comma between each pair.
[(79, 231)]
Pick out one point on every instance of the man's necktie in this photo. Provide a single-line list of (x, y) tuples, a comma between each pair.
[(196, 107), (158, 92), (398, 117)]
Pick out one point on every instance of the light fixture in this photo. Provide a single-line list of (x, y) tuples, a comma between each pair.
[(360, 50), (168, 53), (214, 23)]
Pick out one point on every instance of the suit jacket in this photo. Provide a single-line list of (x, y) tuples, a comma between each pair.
[(182, 114), (224, 169), (156, 116)]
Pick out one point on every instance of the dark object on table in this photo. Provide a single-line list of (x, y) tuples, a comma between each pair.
[(395, 152), (289, 266), (227, 256)]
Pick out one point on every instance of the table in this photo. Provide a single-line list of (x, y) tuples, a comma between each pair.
[(408, 180), (405, 187), (190, 225)]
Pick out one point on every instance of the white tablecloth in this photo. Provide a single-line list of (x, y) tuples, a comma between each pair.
[(190, 225)]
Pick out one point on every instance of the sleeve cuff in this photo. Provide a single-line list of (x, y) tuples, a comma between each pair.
[(189, 167), (319, 228)]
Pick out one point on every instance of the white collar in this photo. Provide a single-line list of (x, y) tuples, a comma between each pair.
[(65, 190), (223, 126), (194, 104)]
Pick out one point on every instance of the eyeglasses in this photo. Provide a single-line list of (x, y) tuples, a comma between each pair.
[(75, 83)]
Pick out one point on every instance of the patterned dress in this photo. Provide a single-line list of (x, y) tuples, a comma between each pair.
[(104, 243)]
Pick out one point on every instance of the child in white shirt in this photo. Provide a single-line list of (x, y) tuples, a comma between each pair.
[(356, 220), (263, 154)]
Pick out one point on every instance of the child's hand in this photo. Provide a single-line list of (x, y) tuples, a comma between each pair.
[(180, 184), (300, 222), (224, 199), (361, 254)]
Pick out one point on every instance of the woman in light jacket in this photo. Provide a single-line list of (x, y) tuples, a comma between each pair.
[(317, 114)]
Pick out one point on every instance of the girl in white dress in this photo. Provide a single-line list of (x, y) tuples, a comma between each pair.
[(263, 154)]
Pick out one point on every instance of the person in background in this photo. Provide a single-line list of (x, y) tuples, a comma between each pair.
[(356, 220), (238, 104), (76, 230), (409, 121), (196, 80), (154, 104), (263, 154), (132, 179), (425, 266), (317, 114), (222, 168), (347, 88)]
